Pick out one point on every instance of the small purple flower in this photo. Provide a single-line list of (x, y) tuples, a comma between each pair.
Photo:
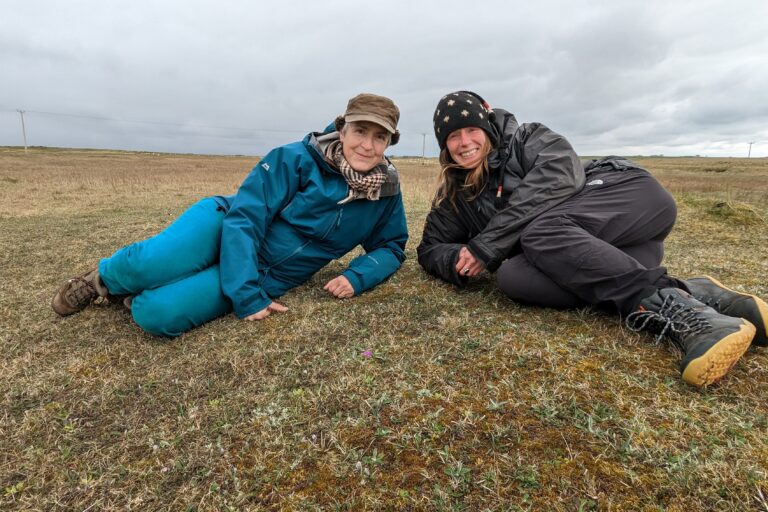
[(367, 353)]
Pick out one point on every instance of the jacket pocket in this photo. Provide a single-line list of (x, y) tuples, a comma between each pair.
[(293, 253)]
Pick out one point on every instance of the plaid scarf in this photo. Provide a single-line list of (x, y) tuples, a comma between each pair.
[(362, 185)]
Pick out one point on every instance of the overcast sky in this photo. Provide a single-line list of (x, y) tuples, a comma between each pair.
[(239, 77)]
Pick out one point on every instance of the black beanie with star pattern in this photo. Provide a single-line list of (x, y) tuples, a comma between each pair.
[(459, 110)]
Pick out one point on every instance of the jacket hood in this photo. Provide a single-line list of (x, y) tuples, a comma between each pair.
[(505, 124), (317, 143)]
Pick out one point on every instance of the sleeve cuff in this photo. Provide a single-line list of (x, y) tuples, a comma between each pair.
[(354, 280), (489, 260), (256, 306)]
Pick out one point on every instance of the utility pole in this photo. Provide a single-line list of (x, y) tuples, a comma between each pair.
[(750, 149), (423, 146), (23, 128)]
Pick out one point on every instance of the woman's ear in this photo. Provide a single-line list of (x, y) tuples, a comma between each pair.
[(339, 123), (395, 138)]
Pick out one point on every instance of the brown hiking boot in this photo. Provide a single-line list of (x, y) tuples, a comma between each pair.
[(711, 343), (78, 293), (729, 302)]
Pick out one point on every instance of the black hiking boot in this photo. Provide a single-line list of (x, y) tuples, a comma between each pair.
[(711, 343), (79, 292), (729, 302)]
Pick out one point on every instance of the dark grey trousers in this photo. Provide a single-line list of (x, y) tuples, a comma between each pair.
[(602, 247)]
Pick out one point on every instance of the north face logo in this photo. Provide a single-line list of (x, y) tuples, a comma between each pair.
[(595, 182), (265, 165)]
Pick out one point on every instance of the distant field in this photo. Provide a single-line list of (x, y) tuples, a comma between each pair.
[(470, 401)]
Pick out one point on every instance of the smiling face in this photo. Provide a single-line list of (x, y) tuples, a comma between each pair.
[(363, 144), (466, 146)]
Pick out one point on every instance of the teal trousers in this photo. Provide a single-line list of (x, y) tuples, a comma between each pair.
[(173, 276)]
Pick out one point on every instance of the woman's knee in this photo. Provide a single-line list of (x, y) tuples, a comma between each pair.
[(519, 280), (159, 319), (655, 202), (508, 279), (180, 306)]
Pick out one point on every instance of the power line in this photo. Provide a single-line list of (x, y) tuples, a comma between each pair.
[(23, 112), (170, 123), (245, 133), (161, 123)]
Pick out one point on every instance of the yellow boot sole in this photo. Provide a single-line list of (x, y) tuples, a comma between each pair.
[(712, 366)]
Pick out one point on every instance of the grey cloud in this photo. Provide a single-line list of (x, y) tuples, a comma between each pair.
[(241, 77)]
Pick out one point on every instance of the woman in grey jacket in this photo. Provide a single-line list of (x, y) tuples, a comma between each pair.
[(516, 199)]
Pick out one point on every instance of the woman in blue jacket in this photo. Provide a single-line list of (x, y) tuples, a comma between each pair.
[(303, 205)]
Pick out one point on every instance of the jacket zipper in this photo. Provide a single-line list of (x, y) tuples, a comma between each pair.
[(334, 225), (305, 244), (294, 253)]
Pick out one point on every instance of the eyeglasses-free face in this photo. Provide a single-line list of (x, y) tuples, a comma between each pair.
[(363, 144), (465, 146)]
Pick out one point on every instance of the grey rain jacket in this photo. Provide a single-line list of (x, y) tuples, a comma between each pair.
[(536, 168)]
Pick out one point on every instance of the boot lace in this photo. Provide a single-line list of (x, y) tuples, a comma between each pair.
[(673, 319), (80, 292)]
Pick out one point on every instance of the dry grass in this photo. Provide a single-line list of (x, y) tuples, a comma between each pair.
[(469, 401)]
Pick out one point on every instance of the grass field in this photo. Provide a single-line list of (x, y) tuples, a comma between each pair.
[(468, 401)]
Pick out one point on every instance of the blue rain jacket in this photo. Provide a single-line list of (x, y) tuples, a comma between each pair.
[(285, 223)]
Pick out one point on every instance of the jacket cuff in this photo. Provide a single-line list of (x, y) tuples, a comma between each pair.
[(354, 280), (489, 260), (254, 307)]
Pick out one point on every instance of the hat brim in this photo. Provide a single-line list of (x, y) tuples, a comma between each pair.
[(351, 118)]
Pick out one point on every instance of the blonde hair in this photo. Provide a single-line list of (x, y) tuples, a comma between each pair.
[(448, 187)]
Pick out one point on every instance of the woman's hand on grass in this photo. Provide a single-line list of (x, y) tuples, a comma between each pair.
[(468, 265), (273, 307), (339, 287)]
